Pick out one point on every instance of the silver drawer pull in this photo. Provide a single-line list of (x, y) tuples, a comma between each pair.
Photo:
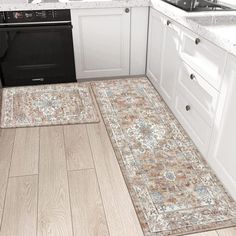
[(197, 41), (127, 10), (192, 77), (38, 79), (188, 108)]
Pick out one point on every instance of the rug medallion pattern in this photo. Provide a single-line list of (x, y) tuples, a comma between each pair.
[(173, 189), (47, 105)]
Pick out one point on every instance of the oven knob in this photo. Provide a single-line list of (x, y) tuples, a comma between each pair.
[(2, 17), (18, 15), (28, 15), (192, 76)]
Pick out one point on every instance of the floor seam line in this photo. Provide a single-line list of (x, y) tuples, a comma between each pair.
[(19, 176), (68, 182), (95, 170), (39, 154), (7, 184), (80, 170)]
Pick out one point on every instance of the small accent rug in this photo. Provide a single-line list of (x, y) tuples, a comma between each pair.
[(173, 189), (43, 105)]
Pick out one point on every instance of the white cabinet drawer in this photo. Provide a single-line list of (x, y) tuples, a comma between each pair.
[(206, 58), (204, 94), (193, 120)]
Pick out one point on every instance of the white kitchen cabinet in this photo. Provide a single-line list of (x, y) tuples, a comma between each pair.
[(195, 106), (101, 42), (203, 56), (138, 41), (193, 118), (163, 55), (155, 46), (191, 97), (205, 94), (170, 61), (197, 79), (222, 152)]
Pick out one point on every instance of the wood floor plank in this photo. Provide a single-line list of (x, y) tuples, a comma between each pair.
[(87, 208), (20, 212), (121, 217), (25, 152), (227, 232), (54, 216), (77, 147), (7, 137)]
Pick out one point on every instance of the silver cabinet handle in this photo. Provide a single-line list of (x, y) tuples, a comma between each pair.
[(192, 77), (168, 22), (38, 79), (197, 41), (188, 108)]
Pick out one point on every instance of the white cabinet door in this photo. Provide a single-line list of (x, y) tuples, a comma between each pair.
[(101, 42), (222, 153), (170, 62), (138, 51), (155, 46)]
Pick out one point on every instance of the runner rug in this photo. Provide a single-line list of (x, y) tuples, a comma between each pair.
[(42, 105), (173, 189)]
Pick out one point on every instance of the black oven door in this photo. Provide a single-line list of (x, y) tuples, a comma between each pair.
[(38, 54)]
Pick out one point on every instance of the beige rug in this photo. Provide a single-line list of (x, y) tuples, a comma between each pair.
[(173, 189), (43, 105)]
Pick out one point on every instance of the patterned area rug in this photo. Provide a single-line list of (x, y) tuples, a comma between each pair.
[(47, 105), (173, 189)]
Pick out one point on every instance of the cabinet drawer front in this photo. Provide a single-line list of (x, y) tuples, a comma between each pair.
[(204, 94), (206, 58), (191, 119)]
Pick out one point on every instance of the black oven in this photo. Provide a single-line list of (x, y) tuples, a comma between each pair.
[(36, 47)]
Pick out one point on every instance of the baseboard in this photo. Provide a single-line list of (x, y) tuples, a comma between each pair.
[(109, 78), (224, 177)]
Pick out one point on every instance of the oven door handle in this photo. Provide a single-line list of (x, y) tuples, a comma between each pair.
[(36, 27)]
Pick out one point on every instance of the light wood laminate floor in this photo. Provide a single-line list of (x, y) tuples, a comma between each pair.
[(64, 181)]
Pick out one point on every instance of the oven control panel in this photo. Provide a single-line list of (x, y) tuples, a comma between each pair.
[(2, 17), (34, 16)]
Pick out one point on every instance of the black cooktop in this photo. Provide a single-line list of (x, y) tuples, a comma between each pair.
[(200, 5)]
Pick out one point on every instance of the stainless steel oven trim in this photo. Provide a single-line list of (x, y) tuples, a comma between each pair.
[(34, 27), (34, 23)]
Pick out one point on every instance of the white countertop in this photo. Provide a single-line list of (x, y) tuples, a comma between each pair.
[(217, 27), (11, 5)]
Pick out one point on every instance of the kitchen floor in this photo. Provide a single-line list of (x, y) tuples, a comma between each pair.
[(65, 180)]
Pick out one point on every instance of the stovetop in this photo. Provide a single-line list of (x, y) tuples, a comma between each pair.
[(200, 5)]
